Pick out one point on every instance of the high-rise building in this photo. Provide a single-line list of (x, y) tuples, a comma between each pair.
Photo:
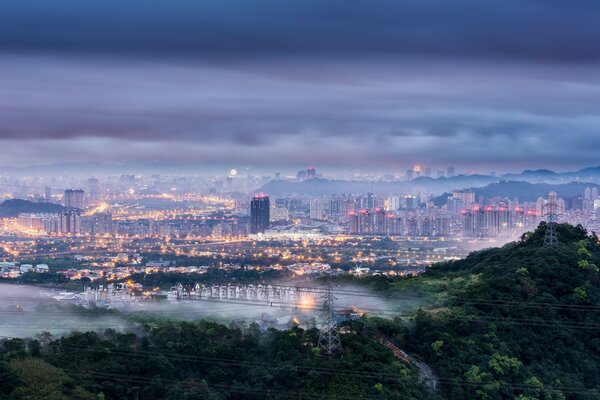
[(70, 222), (317, 209), (474, 222), (467, 197), (301, 175), (450, 171), (417, 171), (311, 173), (394, 203), (48, 194), (93, 187), (259, 213), (73, 199)]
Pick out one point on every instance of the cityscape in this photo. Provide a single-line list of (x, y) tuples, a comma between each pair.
[(267, 200)]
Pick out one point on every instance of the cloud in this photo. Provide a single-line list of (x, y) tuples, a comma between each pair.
[(347, 83), (383, 115), (539, 30)]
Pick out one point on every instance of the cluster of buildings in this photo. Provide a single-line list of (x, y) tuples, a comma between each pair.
[(412, 215), (498, 221), (69, 222), (417, 171), (15, 269), (309, 268), (308, 173), (415, 214), (408, 223)]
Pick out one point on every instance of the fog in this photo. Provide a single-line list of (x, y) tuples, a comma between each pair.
[(26, 311)]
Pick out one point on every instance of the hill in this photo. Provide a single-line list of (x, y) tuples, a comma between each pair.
[(517, 322), (13, 207), (524, 191), (320, 187)]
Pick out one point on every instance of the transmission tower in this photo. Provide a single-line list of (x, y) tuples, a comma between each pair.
[(551, 215), (329, 336)]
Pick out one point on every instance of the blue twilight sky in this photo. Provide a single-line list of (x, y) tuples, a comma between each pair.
[(370, 84)]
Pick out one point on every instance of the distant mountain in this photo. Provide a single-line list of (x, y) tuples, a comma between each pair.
[(320, 187), (565, 182), (591, 174), (523, 191), (532, 175), (14, 207)]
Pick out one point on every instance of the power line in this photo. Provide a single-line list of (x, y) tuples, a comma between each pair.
[(550, 239), (383, 311), (334, 371), (329, 335)]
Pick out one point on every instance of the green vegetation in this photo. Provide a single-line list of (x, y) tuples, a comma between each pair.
[(522, 322), (204, 360), (517, 322)]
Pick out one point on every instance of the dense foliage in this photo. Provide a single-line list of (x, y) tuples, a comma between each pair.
[(522, 321), (205, 360)]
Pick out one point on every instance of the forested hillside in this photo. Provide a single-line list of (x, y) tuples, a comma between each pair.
[(522, 321), (204, 360)]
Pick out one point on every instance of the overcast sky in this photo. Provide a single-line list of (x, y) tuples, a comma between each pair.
[(379, 85)]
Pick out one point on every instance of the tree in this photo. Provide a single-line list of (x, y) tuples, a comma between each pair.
[(38, 380)]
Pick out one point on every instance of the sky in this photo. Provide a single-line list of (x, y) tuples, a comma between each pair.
[(341, 84)]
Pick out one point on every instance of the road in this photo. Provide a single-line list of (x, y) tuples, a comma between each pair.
[(426, 374)]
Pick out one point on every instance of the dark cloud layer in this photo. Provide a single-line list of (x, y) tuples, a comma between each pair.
[(373, 84), (554, 30)]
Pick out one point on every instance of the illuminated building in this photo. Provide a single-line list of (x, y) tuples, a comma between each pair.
[(394, 203), (395, 226), (474, 222), (259, 213), (73, 199), (417, 171), (97, 224), (70, 222), (467, 197), (411, 202)]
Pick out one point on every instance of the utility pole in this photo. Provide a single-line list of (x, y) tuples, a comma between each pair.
[(329, 336), (550, 238)]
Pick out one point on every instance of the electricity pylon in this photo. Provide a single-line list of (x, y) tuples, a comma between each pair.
[(551, 214), (329, 336)]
